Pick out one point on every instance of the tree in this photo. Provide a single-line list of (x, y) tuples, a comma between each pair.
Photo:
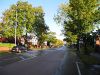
[(21, 13), (71, 39), (78, 17), (40, 28), (28, 19), (1, 28), (59, 43), (51, 37), (97, 15)]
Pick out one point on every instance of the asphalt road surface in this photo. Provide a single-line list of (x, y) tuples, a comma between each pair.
[(59, 61)]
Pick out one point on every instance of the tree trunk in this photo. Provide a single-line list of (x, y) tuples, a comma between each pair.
[(85, 44), (78, 45)]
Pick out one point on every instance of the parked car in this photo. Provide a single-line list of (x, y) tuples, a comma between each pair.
[(19, 49)]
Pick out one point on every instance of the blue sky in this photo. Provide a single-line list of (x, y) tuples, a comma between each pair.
[(50, 8)]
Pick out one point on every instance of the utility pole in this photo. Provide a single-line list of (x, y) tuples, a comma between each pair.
[(15, 25)]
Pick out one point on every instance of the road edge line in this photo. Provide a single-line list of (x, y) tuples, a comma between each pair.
[(79, 72)]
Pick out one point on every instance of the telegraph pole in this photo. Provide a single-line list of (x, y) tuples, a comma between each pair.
[(16, 25)]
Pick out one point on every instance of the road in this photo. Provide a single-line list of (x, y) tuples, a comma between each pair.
[(58, 61)]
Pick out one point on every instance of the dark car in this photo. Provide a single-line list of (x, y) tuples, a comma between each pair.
[(19, 49)]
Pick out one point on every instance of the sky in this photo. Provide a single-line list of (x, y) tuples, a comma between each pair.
[(50, 8)]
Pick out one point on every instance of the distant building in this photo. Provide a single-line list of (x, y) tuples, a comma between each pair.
[(32, 38)]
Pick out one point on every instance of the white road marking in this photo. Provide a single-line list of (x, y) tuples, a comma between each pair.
[(79, 72)]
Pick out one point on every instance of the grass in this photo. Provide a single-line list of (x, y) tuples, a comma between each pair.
[(10, 45), (89, 60), (89, 49)]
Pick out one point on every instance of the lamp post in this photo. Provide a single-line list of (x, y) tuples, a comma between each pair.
[(15, 25)]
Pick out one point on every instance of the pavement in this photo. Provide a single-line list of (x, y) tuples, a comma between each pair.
[(59, 61), (68, 66)]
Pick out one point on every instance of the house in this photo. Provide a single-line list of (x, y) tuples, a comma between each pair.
[(32, 39)]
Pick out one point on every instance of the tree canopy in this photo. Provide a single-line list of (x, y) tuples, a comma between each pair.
[(51, 37), (21, 13), (28, 19), (40, 28), (78, 17)]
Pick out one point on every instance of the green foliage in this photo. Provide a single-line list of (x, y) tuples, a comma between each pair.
[(40, 28), (51, 37), (10, 45), (28, 19), (97, 16), (58, 43), (78, 17), (71, 39), (21, 13)]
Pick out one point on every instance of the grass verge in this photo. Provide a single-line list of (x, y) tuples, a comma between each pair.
[(10, 45), (89, 60)]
